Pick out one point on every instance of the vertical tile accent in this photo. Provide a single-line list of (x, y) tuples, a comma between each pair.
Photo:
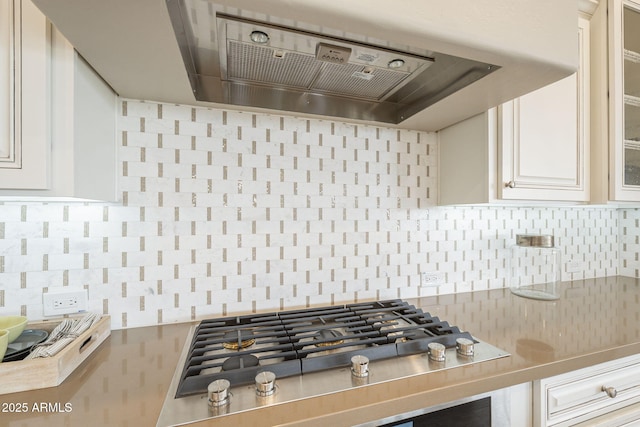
[(228, 212)]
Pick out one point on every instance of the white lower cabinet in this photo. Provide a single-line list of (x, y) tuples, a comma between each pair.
[(607, 394), (521, 408)]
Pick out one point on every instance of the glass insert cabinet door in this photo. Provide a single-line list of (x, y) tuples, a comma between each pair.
[(631, 85), (615, 102)]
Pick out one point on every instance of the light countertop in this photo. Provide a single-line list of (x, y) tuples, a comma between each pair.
[(126, 380)]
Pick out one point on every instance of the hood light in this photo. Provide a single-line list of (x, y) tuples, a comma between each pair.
[(395, 63), (259, 37)]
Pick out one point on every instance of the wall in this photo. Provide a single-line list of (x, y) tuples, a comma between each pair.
[(226, 212)]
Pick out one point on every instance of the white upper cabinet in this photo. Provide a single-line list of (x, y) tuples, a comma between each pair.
[(544, 140), (535, 147), (616, 91), (24, 140), (57, 117)]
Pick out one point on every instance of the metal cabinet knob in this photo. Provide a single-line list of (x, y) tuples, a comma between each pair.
[(510, 184), (611, 391)]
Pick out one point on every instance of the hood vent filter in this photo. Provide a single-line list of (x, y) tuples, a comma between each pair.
[(297, 60), (240, 61)]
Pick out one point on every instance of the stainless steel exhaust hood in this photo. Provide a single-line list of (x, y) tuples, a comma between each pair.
[(244, 62), (420, 64)]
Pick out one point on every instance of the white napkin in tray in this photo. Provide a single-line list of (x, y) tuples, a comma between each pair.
[(67, 331)]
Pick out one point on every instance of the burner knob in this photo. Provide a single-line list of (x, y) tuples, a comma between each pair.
[(436, 352), (265, 383), (360, 366), (218, 392), (464, 346)]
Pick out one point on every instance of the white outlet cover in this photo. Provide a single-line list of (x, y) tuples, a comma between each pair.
[(431, 279), (64, 301), (575, 266)]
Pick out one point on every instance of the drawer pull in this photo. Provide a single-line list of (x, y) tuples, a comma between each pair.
[(611, 391)]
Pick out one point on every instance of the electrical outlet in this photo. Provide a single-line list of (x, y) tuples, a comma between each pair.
[(574, 266), (68, 301), (432, 279)]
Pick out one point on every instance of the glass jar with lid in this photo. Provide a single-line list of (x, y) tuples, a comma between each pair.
[(535, 267)]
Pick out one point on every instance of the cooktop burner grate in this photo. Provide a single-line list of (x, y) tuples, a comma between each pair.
[(295, 342)]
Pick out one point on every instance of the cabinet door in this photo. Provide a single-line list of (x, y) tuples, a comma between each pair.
[(624, 98), (7, 97), (586, 395), (544, 138), (24, 135)]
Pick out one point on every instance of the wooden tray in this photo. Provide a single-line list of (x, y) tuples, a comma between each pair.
[(32, 374)]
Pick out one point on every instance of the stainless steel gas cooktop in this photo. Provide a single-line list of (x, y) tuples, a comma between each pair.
[(235, 364)]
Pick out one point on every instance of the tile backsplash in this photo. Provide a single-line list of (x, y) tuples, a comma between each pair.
[(630, 243), (228, 212)]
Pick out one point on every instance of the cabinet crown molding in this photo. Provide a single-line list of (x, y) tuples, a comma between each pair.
[(588, 6)]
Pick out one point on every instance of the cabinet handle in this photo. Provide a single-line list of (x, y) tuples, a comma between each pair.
[(611, 391), (510, 184)]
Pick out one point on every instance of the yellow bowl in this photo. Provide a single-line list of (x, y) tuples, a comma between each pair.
[(14, 325), (4, 341)]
